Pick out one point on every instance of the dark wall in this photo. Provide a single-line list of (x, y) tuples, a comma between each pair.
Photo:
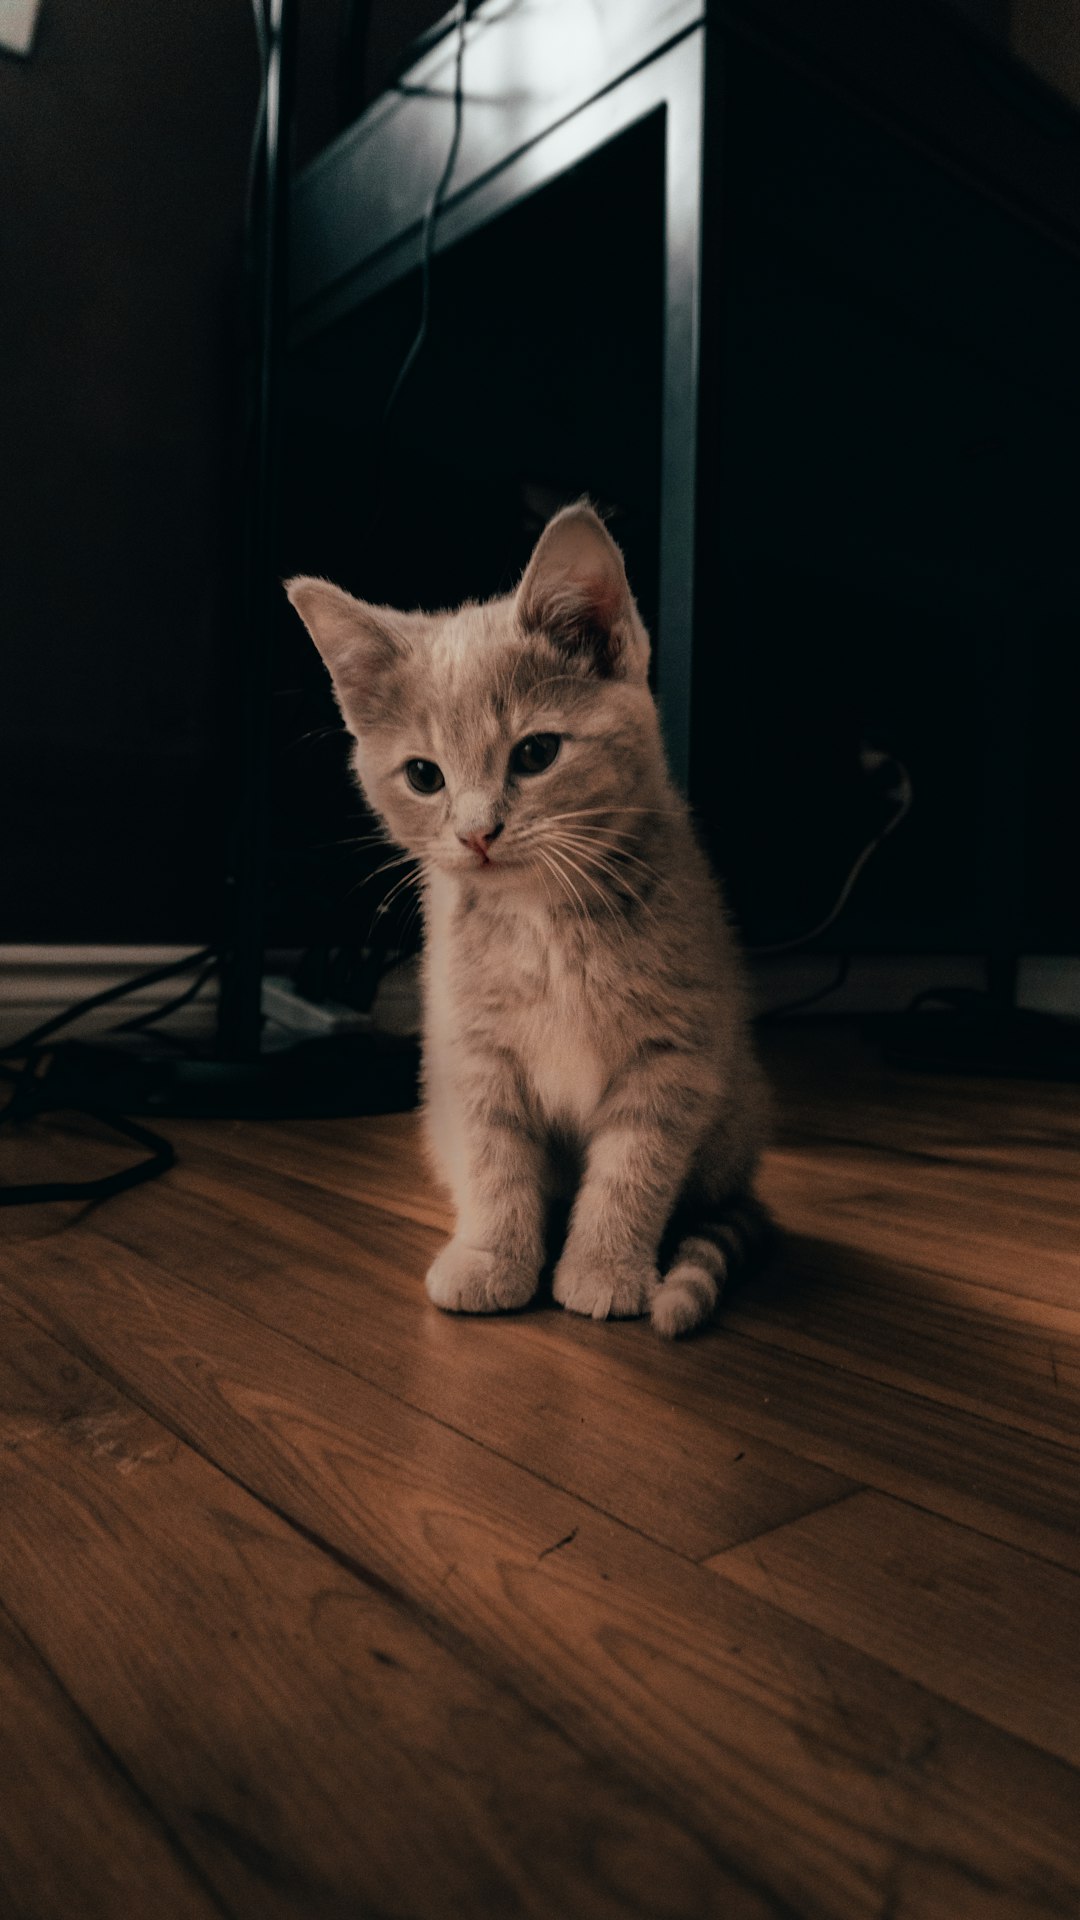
[(889, 505), (126, 139), (125, 146), (123, 161)]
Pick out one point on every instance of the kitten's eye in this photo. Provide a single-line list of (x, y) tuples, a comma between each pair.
[(424, 776), (535, 753)]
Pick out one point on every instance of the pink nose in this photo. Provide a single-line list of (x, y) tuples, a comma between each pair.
[(480, 842)]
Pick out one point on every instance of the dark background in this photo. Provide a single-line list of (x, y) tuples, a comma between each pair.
[(895, 508), (124, 150)]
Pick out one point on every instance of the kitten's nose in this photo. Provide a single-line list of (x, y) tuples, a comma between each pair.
[(480, 842)]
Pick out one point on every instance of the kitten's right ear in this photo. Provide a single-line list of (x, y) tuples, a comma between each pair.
[(359, 643)]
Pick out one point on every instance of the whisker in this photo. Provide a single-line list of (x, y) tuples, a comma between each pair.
[(387, 867), (579, 813), (314, 733), (583, 838), (586, 839), (567, 883), (586, 877), (600, 865), (543, 882), (398, 860), (602, 854), (541, 856), (412, 915), (357, 840), (387, 902)]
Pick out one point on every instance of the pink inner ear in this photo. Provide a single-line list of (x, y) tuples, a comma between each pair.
[(600, 593), (575, 586)]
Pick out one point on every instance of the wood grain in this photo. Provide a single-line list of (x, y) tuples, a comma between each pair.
[(317, 1602), (929, 1334), (921, 1594), (348, 1284), (276, 1708), (315, 1260), (61, 1789), (682, 1683)]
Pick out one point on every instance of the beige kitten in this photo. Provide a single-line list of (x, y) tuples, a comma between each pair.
[(585, 1021)]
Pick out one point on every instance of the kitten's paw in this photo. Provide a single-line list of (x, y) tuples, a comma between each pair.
[(604, 1292), (465, 1279)]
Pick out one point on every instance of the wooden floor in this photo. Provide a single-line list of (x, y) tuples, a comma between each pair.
[(314, 1602)]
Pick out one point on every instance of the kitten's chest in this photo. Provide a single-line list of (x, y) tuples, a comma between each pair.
[(543, 1003), (562, 1044)]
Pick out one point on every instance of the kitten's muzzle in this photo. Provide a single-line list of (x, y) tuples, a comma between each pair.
[(479, 843)]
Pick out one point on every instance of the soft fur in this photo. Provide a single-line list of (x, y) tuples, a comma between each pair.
[(586, 1034)]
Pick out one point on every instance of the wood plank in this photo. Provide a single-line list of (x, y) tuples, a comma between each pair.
[(314, 1749), (921, 1332), (311, 1275), (934, 1219), (1013, 1486), (748, 1725), (978, 1623), (938, 1217), (327, 1260), (351, 1158), (832, 1084), (60, 1791), (1027, 1380)]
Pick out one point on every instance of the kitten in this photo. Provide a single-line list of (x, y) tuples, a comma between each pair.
[(585, 1018)]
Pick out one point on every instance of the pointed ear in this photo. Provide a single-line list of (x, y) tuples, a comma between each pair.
[(360, 644), (575, 589)]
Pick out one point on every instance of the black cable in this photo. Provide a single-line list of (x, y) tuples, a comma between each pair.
[(434, 206), (162, 1156), (31, 1096), (29, 1042), (902, 796), (141, 1021)]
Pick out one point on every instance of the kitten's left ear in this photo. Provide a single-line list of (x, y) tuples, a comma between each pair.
[(575, 589)]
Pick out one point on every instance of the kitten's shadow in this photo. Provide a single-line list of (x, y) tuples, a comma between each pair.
[(555, 1231), (781, 1275), (799, 1266)]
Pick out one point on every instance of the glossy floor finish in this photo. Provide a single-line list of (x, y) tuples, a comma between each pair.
[(314, 1602)]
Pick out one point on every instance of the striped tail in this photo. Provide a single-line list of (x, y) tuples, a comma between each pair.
[(718, 1249)]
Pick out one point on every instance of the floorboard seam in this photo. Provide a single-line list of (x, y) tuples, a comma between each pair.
[(438, 1420), (794, 1520), (853, 1371), (882, 1660), (120, 1767), (452, 1639), (962, 1526)]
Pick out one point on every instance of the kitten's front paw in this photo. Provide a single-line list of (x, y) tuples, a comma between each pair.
[(465, 1279), (602, 1291)]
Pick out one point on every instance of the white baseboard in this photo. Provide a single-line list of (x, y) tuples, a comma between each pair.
[(887, 982), (1050, 982), (38, 981)]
